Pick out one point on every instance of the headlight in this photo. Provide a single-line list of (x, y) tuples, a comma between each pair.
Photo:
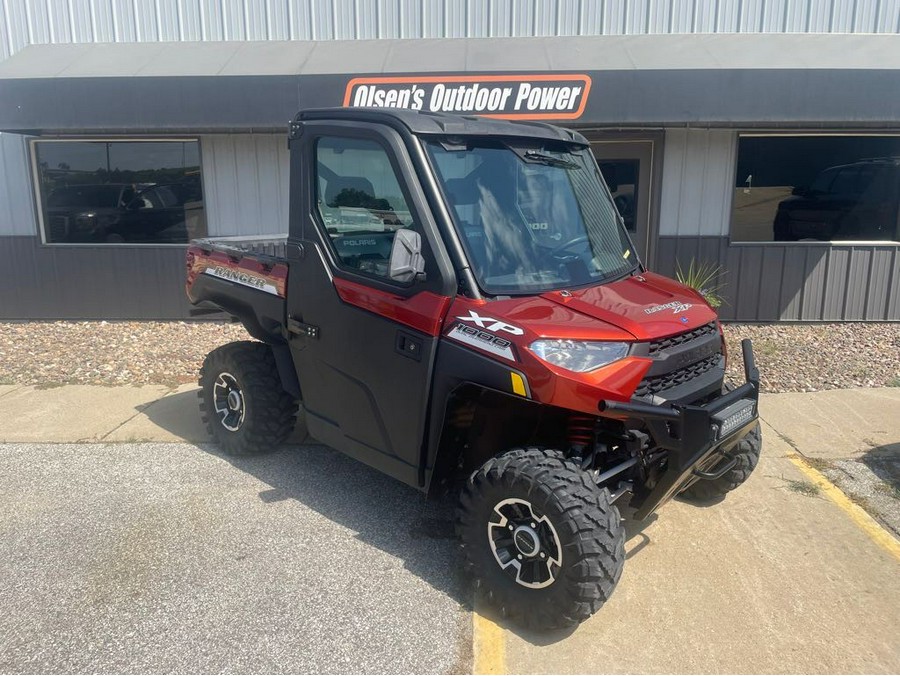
[(578, 356)]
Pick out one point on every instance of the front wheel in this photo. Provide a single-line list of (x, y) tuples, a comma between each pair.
[(241, 399), (543, 540)]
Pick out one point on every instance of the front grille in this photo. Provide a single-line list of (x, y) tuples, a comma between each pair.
[(655, 384), (658, 345)]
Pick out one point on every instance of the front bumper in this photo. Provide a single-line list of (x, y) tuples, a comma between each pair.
[(700, 440)]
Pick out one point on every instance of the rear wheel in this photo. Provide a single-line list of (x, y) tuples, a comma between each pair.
[(242, 402), (543, 541)]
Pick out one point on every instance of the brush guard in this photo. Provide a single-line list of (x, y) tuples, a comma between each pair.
[(700, 439)]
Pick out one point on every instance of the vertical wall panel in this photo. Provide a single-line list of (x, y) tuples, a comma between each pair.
[(697, 182), (816, 275), (857, 283), (791, 293), (17, 215), (672, 173), (769, 306), (836, 282), (245, 179), (894, 288), (875, 301)]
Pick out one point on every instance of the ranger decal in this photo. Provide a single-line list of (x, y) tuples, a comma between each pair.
[(241, 277)]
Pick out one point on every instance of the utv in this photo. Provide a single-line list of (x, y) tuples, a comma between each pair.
[(458, 298)]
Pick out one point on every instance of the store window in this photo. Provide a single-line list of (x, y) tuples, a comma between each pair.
[(119, 192), (817, 188), (360, 202)]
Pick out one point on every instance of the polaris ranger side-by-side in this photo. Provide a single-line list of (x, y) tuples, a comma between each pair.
[(458, 298)]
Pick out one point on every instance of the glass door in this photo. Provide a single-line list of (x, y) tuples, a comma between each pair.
[(627, 167)]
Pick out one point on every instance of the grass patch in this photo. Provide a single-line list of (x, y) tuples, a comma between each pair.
[(133, 439), (6, 380), (893, 382), (49, 385), (806, 488), (888, 490), (767, 348), (819, 464)]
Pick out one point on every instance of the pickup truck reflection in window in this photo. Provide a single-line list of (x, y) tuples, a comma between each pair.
[(120, 192)]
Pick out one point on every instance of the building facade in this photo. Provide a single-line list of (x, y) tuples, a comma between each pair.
[(759, 136)]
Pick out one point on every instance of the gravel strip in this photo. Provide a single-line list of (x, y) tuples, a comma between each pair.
[(791, 358), (813, 357)]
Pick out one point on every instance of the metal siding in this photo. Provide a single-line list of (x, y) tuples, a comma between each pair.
[(893, 308), (25, 22), (245, 181), (815, 281), (671, 189), (792, 283), (17, 215), (697, 183), (837, 265), (856, 290), (768, 282), (769, 306), (91, 282), (246, 177), (878, 273)]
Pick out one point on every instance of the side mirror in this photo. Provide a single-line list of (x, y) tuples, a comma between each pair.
[(800, 190), (406, 262)]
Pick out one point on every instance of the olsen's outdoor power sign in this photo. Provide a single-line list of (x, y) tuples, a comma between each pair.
[(512, 97)]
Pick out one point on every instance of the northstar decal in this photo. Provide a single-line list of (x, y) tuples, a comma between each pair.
[(675, 306)]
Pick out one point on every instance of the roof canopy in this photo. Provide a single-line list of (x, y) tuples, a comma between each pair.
[(741, 80)]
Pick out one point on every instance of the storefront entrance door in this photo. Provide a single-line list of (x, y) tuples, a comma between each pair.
[(627, 167)]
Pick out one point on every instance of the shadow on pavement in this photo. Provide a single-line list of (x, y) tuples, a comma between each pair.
[(383, 512), (884, 461)]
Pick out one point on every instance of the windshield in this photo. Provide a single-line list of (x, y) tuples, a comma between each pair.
[(532, 219)]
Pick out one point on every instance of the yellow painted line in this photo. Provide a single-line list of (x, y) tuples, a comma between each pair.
[(860, 517), (488, 646)]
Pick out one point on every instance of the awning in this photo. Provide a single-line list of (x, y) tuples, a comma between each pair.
[(745, 80)]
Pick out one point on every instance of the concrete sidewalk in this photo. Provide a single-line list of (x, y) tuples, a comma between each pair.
[(830, 424), (852, 436), (89, 413)]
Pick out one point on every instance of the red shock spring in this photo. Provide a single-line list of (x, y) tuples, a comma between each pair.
[(580, 429)]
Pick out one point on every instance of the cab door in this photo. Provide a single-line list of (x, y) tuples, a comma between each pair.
[(363, 344)]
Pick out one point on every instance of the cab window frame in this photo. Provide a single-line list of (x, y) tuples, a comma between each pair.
[(336, 262)]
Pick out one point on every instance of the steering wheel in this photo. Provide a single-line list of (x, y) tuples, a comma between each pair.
[(623, 205), (565, 245)]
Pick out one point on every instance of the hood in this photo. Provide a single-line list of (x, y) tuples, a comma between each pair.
[(642, 307)]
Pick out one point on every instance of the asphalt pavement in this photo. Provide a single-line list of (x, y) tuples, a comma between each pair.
[(165, 557)]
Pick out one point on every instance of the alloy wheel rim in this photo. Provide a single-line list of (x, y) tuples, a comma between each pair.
[(524, 543), (228, 400)]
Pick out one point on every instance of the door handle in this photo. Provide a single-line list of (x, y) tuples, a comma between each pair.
[(408, 345)]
